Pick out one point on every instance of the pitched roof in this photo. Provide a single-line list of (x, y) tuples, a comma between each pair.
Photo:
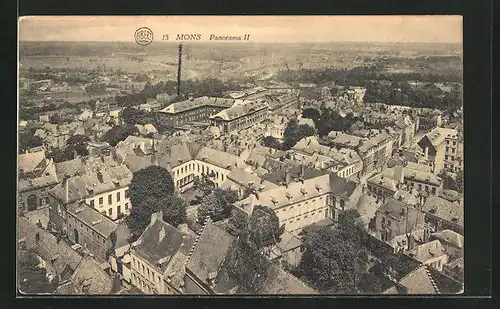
[(204, 259), (450, 237), (444, 209), (419, 281), (282, 196), (90, 184), (218, 158), (89, 275), (27, 162), (279, 175), (427, 251), (185, 105), (341, 186), (288, 241), (162, 241), (281, 282), (43, 178), (239, 110), (58, 253), (93, 218), (396, 209)]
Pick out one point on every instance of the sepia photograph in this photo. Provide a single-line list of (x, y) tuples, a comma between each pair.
[(240, 155)]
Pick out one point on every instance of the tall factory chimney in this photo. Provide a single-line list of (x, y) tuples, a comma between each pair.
[(179, 71)]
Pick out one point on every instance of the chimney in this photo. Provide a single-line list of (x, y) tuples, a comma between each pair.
[(302, 171), (156, 216), (99, 176), (65, 184), (75, 154), (287, 177), (426, 153), (399, 174), (179, 71)]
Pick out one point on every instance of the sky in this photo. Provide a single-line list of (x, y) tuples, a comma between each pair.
[(262, 29)]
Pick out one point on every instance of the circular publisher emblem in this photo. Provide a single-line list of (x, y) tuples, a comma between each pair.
[(143, 36)]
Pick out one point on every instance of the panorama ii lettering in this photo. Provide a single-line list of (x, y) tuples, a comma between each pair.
[(214, 37)]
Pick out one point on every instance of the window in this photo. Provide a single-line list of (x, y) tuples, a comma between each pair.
[(383, 219), (110, 199), (126, 206), (433, 190), (110, 211), (101, 200), (92, 203), (119, 209), (388, 222), (126, 193), (118, 196)]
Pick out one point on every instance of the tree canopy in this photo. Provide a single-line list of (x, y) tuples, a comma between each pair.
[(118, 133), (221, 206), (79, 144), (173, 208), (334, 259), (133, 116), (271, 142), (27, 141), (295, 132), (148, 187), (264, 227)]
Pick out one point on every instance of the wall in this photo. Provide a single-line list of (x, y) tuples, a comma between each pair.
[(146, 277), (88, 237), (57, 214), (105, 207), (42, 197), (298, 215)]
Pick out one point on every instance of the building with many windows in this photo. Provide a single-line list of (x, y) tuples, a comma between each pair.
[(104, 190), (193, 110), (240, 116), (159, 256), (396, 218), (90, 229), (439, 145), (302, 203)]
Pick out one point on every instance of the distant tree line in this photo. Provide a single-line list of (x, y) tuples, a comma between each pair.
[(359, 76), (426, 96)]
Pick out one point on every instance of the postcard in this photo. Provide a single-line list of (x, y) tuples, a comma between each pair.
[(240, 155)]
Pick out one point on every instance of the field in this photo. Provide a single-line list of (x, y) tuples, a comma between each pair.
[(233, 60)]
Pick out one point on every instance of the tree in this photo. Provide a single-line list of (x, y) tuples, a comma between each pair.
[(220, 209), (118, 133), (370, 283), (79, 144), (247, 266), (238, 222), (174, 209), (32, 279), (271, 142), (294, 133), (61, 155), (332, 263), (264, 227), (147, 188), (28, 140)]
